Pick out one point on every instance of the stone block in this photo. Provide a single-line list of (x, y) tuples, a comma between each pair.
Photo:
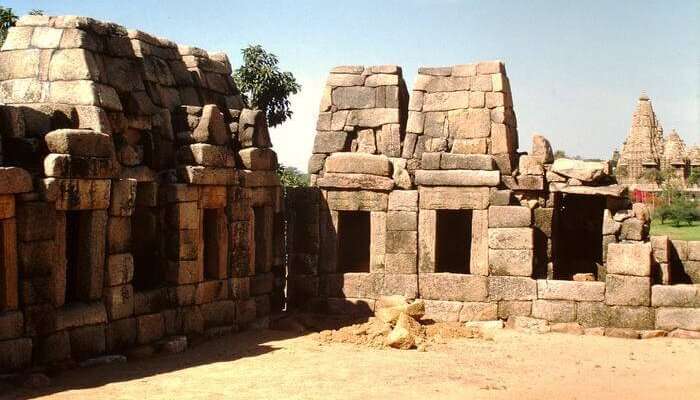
[(634, 229), (80, 143), (185, 215), (207, 155), (554, 310), (675, 296), (220, 313), (477, 311), (121, 334), (453, 198), (151, 301), (457, 178), (694, 250), (119, 301), (389, 140), (88, 341), (373, 117), (509, 216), (7, 206), (35, 221), (182, 295), (257, 159), (403, 200), (67, 166), (627, 290), (354, 97), (570, 290), (355, 181), (442, 311), (511, 238), (514, 308), (119, 269), (543, 220), (355, 285), (470, 146), (123, 197), (358, 163), (511, 288), (511, 262), (316, 163), (530, 165), (453, 287), (402, 221), (212, 128), (118, 235), (80, 314), (77, 194), (403, 263), (466, 161), (52, 348), (11, 325), (364, 200), (192, 320), (400, 284), (629, 259), (670, 318), (401, 242), (209, 291), (199, 175), (15, 354), (73, 64), (149, 328)]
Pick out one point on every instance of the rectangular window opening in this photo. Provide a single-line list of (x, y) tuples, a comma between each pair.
[(353, 241), (453, 238), (577, 235), (146, 248), (74, 258), (215, 231)]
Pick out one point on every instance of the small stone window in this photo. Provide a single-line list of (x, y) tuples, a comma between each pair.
[(453, 241), (353, 241), (85, 254), (215, 231), (145, 239)]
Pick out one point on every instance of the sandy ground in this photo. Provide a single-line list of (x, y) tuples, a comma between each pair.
[(281, 365)]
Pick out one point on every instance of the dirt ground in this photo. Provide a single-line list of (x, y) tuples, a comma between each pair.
[(283, 365)]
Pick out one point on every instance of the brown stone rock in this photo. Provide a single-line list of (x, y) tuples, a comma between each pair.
[(627, 290), (457, 178), (212, 128), (541, 149), (585, 171), (259, 159), (453, 287), (629, 259), (358, 163), (85, 143)]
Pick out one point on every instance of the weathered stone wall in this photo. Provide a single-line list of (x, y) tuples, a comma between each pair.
[(459, 152), (156, 210)]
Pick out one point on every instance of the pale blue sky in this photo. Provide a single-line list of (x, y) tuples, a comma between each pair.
[(576, 67)]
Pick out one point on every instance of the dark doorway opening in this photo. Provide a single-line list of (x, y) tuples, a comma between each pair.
[(146, 248), (453, 236), (73, 255), (577, 235), (262, 261), (215, 233), (353, 241)]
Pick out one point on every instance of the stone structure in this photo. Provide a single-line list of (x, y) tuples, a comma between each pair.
[(445, 209), (646, 150), (139, 198)]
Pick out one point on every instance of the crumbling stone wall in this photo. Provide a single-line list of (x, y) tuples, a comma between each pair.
[(139, 197), (458, 158)]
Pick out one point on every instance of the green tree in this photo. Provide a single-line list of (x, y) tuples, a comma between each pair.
[(694, 178), (559, 154), (676, 206), (36, 11), (292, 177), (264, 86), (7, 20)]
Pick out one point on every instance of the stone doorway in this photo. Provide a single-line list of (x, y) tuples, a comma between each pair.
[(577, 235), (453, 237), (215, 230), (146, 245), (354, 238), (85, 255)]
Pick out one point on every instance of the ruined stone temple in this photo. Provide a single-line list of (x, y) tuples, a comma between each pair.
[(138, 197), (427, 195), (645, 149), (140, 206)]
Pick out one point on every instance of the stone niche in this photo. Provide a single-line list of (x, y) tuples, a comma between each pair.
[(155, 212)]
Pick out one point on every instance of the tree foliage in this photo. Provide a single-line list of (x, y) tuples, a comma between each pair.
[(676, 206), (292, 177), (694, 178), (7, 20), (36, 11), (264, 86)]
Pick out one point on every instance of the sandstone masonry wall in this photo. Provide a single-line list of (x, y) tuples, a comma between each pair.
[(139, 201)]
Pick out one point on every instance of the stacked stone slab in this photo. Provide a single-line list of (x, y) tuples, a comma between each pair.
[(360, 112), (143, 154)]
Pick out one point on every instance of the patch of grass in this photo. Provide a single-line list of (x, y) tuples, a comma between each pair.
[(683, 232)]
